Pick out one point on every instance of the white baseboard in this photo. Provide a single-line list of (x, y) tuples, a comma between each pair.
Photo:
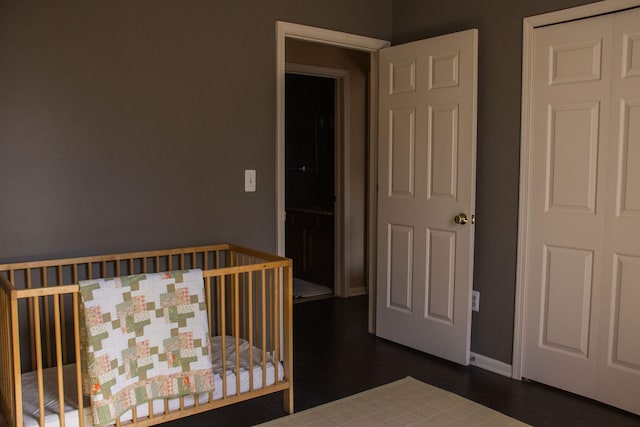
[(492, 365), (360, 290)]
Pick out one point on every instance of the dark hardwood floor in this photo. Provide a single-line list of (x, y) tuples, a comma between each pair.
[(335, 357)]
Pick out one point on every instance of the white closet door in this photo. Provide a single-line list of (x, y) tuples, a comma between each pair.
[(583, 268), (618, 381)]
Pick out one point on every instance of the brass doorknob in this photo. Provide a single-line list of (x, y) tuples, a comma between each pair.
[(461, 219)]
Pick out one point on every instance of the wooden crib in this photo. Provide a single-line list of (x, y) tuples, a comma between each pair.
[(248, 296)]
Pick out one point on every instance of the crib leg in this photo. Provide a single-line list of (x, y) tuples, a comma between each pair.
[(288, 401)]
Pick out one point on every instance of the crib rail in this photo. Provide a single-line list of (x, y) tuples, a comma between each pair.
[(248, 295)]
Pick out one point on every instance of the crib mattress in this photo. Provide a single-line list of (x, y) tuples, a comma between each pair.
[(31, 410)]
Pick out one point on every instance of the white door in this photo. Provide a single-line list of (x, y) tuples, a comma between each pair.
[(426, 177), (582, 272)]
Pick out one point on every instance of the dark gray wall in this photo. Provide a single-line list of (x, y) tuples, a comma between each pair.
[(127, 125), (499, 96)]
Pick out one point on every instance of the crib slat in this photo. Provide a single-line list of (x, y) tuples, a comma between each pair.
[(76, 334), (270, 284), (264, 327), (150, 405), (63, 342), (223, 331), (243, 294), (38, 355), (236, 328), (207, 296), (250, 327), (208, 301), (30, 310), (59, 364), (276, 326), (47, 322)]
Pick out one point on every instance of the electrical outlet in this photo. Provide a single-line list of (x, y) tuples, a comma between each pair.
[(475, 301)]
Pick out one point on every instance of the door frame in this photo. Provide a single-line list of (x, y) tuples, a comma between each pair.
[(529, 26), (341, 150), (286, 30)]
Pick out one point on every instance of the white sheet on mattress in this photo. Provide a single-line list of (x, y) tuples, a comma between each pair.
[(31, 410)]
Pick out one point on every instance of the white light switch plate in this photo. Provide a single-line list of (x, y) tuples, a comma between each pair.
[(249, 180)]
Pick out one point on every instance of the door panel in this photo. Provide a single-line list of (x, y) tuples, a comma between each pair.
[(570, 108), (627, 192), (573, 155), (581, 287), (400, 268), (441, 267), (619, 357), (443, 151), (402, 150), (567, 277), (625, 345), (426, 177)]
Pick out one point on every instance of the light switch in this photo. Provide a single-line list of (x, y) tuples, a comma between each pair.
[(249, 180)]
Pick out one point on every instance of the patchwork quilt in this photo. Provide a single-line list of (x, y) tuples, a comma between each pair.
[(145, 337)]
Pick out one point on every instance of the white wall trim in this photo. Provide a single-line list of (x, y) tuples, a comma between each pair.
[(331, 37), (489, 364), (372, 179), (360, 290), (529, 25)]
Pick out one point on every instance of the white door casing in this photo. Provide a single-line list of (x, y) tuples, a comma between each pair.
[(579, 259), (286, 30), (426, 176)]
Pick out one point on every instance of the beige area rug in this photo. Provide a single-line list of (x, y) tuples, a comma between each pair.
[(406, 402)]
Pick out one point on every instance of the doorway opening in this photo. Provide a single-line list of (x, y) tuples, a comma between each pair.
[(310, 137), (328, 230), (285, 33)]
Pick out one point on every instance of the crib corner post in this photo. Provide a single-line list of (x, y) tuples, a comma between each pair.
[(288, 335), (288, 400), (17, 370)]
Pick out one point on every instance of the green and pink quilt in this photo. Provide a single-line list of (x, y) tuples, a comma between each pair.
[(145, 337)]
